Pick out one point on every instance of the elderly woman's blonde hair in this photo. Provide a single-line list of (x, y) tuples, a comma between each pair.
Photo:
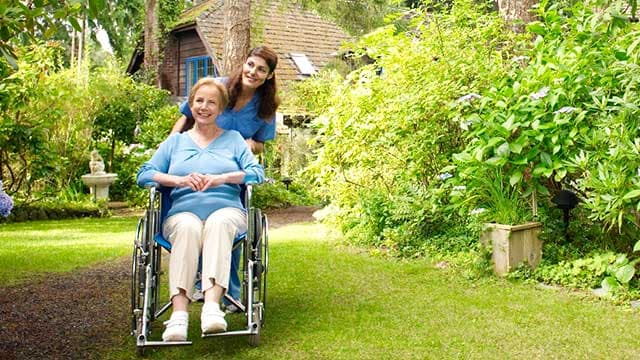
[(208, 81)]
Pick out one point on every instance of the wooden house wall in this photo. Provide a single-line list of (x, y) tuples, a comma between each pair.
[(181, 45)]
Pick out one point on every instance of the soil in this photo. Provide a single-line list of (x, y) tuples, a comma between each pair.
[(72, 316)]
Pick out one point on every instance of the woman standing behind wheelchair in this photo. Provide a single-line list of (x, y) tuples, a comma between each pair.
[(251, 111), (253, 100), (204, 167)]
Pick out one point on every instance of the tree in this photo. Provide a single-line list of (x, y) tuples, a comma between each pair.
[(22, 23), (517, 12), (151, 39), (237, 34), (356, 17)]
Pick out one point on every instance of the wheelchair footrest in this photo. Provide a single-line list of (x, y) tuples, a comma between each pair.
[(166, 343)]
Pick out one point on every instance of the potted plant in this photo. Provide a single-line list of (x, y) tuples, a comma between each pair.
[(507, 213)]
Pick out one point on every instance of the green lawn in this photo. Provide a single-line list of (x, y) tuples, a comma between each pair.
[(331, 302), (327, 301), (31, 248)]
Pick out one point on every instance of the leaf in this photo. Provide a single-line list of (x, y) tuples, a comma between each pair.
[(509, 123), (537, 28), (625, 274), (609, 284), (631, 194), (515, 147), (503, 150), (636, 247), (546, 159), (515, 178), (633, 46)]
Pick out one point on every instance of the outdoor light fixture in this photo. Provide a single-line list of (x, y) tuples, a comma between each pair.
[(287, 181), (566, 200)]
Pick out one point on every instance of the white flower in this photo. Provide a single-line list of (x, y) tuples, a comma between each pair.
[(459, 188), (540, 94), (465, 125), (445, 176), (477, 211), (469, 97), (565, 110)]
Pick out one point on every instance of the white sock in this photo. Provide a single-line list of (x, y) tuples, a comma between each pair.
[(210, 305), (180, 315)]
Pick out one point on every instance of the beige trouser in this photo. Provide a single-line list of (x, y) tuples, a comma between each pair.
[(189, 237)]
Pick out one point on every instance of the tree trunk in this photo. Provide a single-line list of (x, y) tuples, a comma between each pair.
[(517, 13), (237, 34), (151, 46)]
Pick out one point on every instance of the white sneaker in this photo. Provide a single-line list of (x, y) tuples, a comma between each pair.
[(212, 319), (176, 328), (198, 295)]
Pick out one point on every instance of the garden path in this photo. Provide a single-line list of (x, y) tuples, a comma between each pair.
[(70, 316)]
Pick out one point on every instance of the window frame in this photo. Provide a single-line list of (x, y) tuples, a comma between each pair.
[(194, 73)]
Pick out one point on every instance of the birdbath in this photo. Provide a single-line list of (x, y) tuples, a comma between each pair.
[(98, 181)]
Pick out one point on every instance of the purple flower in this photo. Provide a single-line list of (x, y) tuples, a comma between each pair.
[(6, 204)]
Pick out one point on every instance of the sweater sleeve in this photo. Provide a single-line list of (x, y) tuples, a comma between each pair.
[(159, 162)]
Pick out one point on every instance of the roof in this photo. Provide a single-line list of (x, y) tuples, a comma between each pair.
[(286, 29)]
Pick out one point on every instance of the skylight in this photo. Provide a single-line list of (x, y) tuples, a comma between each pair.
[(303, 64)]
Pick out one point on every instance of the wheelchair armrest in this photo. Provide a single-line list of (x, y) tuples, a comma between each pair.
[(152, 184), (248, 191)]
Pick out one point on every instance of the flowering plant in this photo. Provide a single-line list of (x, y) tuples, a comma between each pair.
[(6, 203)]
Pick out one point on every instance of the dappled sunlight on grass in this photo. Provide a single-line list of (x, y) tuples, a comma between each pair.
[(34, 248), (326, 300)]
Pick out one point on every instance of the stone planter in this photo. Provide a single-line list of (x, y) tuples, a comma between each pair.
[(513, 245)]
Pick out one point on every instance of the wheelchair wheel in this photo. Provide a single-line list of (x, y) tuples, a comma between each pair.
[(137, 282), (265, 265)]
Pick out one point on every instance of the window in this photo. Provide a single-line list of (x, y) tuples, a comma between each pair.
[(197, 68), (303, 64)]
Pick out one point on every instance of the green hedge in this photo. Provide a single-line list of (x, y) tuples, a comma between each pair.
[(50, 211)]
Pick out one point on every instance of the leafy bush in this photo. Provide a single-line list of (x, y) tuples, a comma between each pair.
[(566, 114), (53, 210), (276, 195), (387, 129)]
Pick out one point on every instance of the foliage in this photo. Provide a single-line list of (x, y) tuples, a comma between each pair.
[(356, 17), (47, 114), (124, 105), (276, 195), (42, 122), (129, 156), (383, 146), (21, 24), (54, 210), (566, 114)]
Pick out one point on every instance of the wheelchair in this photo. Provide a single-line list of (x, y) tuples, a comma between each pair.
[(146, 271)]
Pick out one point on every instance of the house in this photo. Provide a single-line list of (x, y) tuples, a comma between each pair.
[(304, 42)]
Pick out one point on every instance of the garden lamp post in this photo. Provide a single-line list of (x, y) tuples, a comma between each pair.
[(565, 200)]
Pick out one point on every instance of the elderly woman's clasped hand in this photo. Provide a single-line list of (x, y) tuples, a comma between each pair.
[(201, 182)]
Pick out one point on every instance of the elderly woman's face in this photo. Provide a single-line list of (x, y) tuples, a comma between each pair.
[(255, 71), (206, 104)]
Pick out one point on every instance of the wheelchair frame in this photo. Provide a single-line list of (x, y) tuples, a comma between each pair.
[(146, 271)]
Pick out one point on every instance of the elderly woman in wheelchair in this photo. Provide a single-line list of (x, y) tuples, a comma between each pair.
[(204, 168)]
